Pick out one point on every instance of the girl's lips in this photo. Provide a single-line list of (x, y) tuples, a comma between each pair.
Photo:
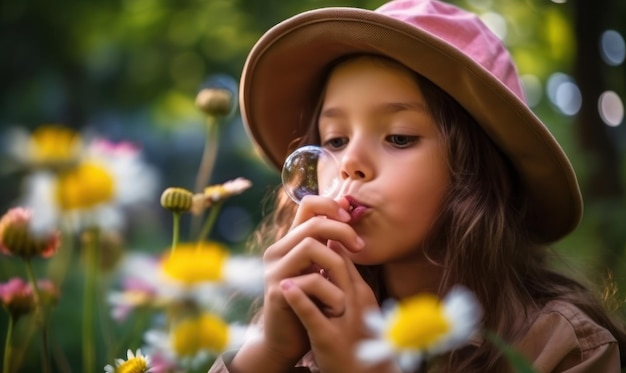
[(356, 209)]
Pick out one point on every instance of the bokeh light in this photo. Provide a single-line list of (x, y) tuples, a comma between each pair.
[(611, 108), (612, 47), (564, 94)]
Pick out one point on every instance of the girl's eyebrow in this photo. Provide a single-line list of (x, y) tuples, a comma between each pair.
[(386, 107), (393, 107)]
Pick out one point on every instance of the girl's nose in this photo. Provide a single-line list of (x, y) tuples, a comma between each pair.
[(356, 163)]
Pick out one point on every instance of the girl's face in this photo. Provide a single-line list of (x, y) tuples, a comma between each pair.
[(393, 165)]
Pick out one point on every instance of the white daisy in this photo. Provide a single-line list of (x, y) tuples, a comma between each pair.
[(192, 341), (106, 179), (140, 285), (209, 267), (52, 147), (135, 363), (419, 326)]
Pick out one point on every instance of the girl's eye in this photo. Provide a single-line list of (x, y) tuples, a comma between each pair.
[(402, 141), (335, 143)]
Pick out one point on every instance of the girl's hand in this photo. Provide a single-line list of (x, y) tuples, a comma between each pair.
[(333, 338), (299, 256)]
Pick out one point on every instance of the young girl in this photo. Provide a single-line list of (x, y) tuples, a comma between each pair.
[(448, 179)]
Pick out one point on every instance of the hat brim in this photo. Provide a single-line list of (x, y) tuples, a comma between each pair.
[(283, 75)]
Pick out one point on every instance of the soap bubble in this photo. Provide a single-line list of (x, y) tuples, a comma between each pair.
[(310, 170)]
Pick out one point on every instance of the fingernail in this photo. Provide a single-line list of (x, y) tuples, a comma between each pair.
[(286, 284), (359, 242), (344, 215)]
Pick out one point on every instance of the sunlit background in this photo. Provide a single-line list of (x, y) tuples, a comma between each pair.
[(130, 70)]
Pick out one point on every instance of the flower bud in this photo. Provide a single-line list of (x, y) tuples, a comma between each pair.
[(214, 101), (176, 199), (17, 239), (18, 298)]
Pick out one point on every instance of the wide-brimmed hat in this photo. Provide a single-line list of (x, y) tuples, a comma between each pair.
[(283, 76)]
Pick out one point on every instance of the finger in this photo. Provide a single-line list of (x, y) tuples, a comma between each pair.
[(307, 256), (304, 307), (361, 288), (343, 203), (329, 298), (311, 206), (319, 228)]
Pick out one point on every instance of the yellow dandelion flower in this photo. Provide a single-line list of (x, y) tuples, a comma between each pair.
[(420, 326), (135, 363)]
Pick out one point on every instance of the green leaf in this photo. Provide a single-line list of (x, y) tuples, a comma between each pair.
[(519, 363)]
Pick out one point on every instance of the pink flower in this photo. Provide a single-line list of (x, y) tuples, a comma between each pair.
[(16, 237), (136, 293), (17, 295)]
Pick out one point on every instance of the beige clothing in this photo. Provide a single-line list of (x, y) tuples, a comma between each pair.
[(564, 339), (561, 339)]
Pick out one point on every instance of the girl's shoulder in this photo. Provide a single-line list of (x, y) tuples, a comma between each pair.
[(563, 337)]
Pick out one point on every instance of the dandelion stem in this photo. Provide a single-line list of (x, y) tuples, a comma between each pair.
[(8, 347), (40, 316), (175, 230), (210, 221), (208, 160), (91, 267)]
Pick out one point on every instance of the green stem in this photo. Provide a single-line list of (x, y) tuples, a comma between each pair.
[(210, 221), (91, 268), (61, 261), (40, 316), (208, 161), (134, 338), (8, 347), (175, 230)]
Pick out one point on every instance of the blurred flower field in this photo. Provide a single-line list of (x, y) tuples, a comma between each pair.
[(78, 296)]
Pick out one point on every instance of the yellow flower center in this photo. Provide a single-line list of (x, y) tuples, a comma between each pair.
[(419, 323), (54, 144), (195, 334), (192, 263), (135, 364), (85, 186)]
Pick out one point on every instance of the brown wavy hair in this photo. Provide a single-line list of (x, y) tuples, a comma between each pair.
[(482, 228)]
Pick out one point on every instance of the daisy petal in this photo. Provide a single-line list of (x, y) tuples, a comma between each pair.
[(372, 351), (409, 360)]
